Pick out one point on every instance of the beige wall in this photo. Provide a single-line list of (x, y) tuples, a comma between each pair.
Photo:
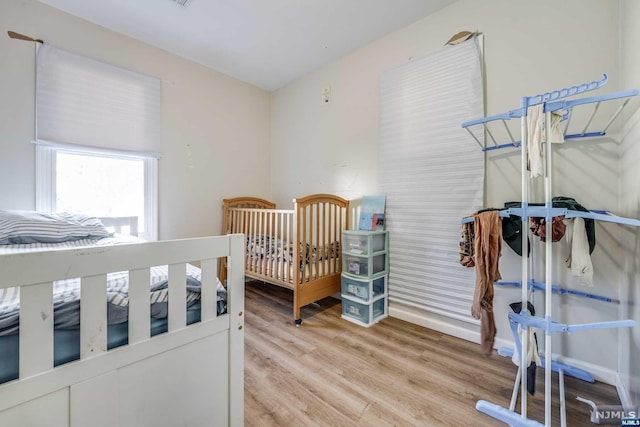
[(224, 121), (530, 47), (630, 205), (332, 147)]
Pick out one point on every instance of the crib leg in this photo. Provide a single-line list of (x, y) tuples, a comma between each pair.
[(298, 322)]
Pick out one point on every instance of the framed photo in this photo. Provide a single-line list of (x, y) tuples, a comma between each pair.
[(372, 213)]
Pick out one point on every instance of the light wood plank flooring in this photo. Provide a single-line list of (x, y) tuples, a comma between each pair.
[(330, 372)]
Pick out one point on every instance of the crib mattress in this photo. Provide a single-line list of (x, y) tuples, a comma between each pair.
[(270, 257)]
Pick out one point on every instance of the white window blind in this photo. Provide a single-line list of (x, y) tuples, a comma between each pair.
[(432, 173), (82, 101)]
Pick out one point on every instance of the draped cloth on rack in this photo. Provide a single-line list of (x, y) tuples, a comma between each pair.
[(579, 260), (535, 132), (488, 249), (532, 359), (467, 239)]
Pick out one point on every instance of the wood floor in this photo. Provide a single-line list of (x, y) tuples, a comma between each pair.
[(330, 372)]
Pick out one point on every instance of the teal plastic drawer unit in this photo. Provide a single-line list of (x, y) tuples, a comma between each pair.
[(364, 290), (365, 276), (364, 242), (364, 266), (364, 314)]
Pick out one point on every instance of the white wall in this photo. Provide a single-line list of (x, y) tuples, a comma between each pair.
[(630, 206), (225, 121), (530, 47)]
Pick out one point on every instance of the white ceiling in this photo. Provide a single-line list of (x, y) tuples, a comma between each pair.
[(268, 43)]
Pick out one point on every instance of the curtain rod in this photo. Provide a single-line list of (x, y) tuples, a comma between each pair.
[(18, 36)]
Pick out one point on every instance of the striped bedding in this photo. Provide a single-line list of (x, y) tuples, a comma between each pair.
[(66, 293), (273, 248), (18, 227)]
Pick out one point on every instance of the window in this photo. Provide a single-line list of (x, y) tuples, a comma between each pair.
[(98, 183), (98, 138), (420, 137)]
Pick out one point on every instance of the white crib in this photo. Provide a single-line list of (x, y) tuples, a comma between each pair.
[(192, 375)]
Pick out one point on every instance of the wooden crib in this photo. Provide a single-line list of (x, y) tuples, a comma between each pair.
[(299, 249)]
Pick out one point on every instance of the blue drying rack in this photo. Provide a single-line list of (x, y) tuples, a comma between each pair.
[(556, 289), (554, 101)]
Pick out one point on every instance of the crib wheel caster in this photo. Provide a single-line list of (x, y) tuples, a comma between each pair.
[(298, 322)]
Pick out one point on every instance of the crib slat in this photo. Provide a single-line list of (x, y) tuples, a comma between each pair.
[(333, 217), (139, 305), (262, 259), (36, 329), (272, 246), (285, 274), (177, 296), (294, 248), (341, 224), (208, 289), (93, 315), (303, 239), (322, 240), (253, 226), (315, 216)]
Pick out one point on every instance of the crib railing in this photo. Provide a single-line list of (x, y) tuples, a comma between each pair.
[(270, 251), (320, 224), (291, 246)]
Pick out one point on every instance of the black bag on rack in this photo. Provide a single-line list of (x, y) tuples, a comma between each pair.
[(512, 226), (512, 230)]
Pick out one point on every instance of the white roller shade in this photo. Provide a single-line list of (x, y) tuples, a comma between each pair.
[(82, 101), (432, 172)]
